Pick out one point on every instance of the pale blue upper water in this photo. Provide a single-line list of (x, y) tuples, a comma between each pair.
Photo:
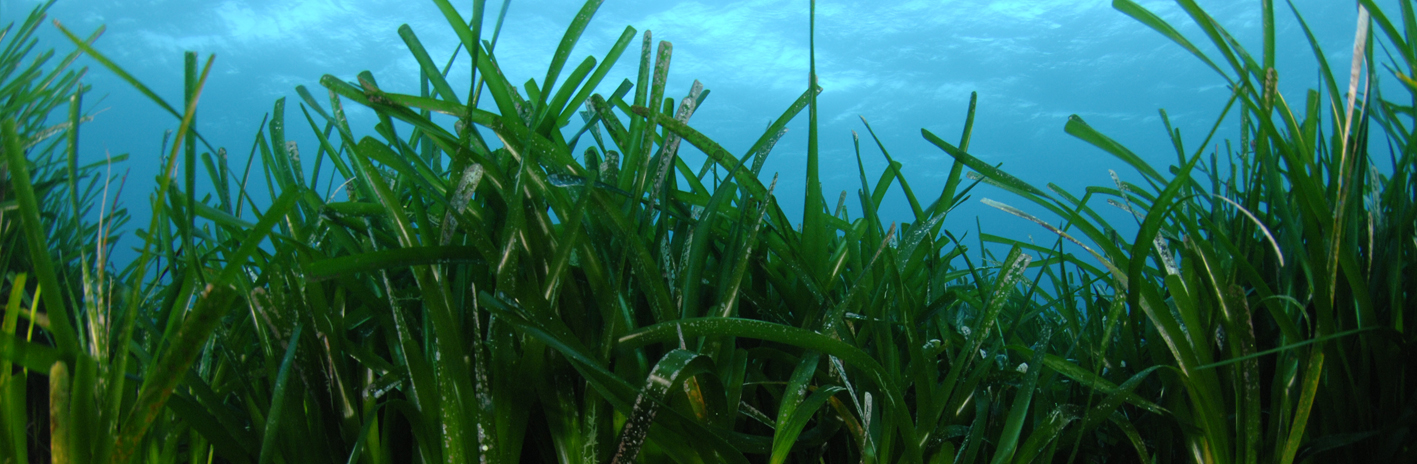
[(903, 65)]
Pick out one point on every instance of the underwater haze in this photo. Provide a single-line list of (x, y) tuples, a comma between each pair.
[(902, 65)]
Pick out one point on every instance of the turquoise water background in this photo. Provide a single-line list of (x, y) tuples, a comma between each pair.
[(903, 65)]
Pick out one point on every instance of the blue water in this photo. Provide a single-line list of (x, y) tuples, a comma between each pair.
[(903, 66)]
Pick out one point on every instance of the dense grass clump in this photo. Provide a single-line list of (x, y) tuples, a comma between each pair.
[(548, 281), (52, 252)]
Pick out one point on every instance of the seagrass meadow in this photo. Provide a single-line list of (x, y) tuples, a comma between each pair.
[(530, 273)]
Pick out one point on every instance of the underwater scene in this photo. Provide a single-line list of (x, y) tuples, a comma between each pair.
[(589, 231)]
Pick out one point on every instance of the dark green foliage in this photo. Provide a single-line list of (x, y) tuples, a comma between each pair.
[(497, 292)]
